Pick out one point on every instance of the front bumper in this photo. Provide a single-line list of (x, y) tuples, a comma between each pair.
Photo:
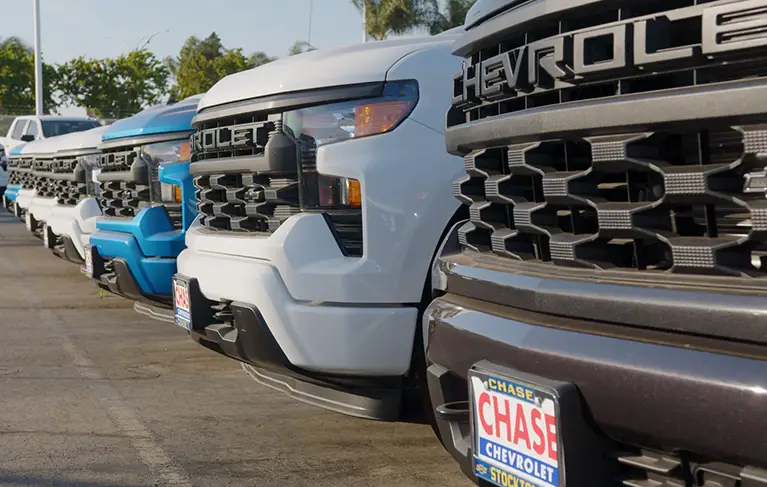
[(336, 357), (40, 208), (115, 275), (24, 198), (136, 258), (640, 397), (11, 192), (72, 226)]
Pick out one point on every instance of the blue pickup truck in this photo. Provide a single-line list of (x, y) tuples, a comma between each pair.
[(147, 198)]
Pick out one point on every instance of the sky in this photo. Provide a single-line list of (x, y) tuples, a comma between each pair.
[(107, 28)]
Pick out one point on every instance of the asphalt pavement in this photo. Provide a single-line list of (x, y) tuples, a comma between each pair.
[(93, 394)]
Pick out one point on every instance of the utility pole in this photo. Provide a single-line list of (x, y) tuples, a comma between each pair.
[(38, 60), (309, 36), (364, 21)]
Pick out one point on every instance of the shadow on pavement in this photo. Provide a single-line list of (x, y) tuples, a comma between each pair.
[(32, 480)]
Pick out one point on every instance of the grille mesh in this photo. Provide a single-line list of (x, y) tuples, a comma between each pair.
[(681, 198), (653, 201), (124, 188), (244, 200), (68, 182), (42, 181)]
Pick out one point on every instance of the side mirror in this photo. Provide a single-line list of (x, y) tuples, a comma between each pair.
[(27, 138)]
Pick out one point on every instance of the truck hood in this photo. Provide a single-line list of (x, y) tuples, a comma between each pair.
[(87, 139), (357, 63), (159, 119), (15, 150), (41, 146)]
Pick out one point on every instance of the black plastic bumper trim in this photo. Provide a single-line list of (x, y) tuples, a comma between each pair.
[(343, 402), (247, 338), (638, 393), (66, 250), (733, 100), (120, 281)]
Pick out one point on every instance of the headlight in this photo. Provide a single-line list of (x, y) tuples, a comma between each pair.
[(316, 126), (161, 154)]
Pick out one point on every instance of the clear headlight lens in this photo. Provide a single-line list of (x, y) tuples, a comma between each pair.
[(161, 154), (316, 126)]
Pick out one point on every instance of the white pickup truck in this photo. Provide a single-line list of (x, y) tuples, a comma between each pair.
[(33, 127)]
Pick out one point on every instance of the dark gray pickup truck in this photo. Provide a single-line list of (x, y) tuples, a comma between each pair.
[(601, 318)]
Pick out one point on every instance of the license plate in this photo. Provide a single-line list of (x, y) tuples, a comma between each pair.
[(28, 221), (88, 266), (46, 238), (515, 428), (182, 309)]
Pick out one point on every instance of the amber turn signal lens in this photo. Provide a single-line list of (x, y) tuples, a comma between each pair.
[(184, 152), (379, 117), (177, 194), (355, 193)]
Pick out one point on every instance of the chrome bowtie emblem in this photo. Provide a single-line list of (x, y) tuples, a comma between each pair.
[(756, 182)]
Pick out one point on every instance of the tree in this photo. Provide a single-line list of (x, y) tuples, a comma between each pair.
[(387, 17), (17, 79), (300, 46), (114, 88), (453, 15), (202, 63)]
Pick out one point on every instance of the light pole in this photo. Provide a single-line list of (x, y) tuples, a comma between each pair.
[(309, 35), (38, 60), (364, 21)]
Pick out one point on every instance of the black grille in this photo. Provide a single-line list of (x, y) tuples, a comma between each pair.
[(124, 183), (681, 197), (651, 469), (259, 196), (43, 182), (578, 56), (653, 201), (69, 181), (347, 229), (20, 172)]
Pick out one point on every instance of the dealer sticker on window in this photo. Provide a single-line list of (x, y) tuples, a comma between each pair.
[(515, 432)]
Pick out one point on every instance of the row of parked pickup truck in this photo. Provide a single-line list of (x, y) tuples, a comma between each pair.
[(573, 292)]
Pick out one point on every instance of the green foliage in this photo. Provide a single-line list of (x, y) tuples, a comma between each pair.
[(388, 17), (202, 63), (453, 15), (114, 88), (300, 46), (402, 16), (17, 79)]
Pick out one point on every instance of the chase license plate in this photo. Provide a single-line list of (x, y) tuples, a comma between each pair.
[(182, 309), (515, 432), (28, 221), (88, 266)]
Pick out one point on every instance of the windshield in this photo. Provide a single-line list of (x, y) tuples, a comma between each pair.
[(52, 128)]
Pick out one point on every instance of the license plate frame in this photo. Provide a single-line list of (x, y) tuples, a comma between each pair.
[(87, 267), (182, 303), (506, 463)]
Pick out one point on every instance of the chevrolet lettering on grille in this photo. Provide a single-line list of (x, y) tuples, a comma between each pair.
[(612, 49)]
